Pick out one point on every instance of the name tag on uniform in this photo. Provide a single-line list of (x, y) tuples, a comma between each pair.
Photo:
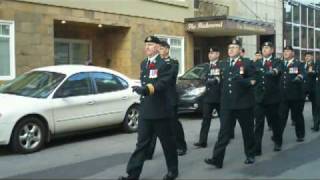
[(215, 71), (293, 70), (153, 73)]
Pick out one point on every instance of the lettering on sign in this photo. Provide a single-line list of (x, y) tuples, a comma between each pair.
[(204, 25)]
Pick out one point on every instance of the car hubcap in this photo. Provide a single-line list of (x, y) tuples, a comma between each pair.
[(133, 117), (30, 136)]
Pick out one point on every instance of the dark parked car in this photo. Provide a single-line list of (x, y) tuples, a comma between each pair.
[(191, 88)]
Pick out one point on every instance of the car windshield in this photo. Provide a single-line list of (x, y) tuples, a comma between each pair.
[(36, 84), (195, 73)]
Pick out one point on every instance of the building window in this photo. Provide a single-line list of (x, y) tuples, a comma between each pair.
[(70, 51), (318, 17), (288, 34), (310, 17), (296, 14), (311, 38), (318, 39), (176, 49), (7, 54), (296, 35), (304, 39)]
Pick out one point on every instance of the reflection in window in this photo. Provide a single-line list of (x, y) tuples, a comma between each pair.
[(106, 82), (318, 39), (296, 34), (76, 85), (304, 15), (288, 34), (318, 17)]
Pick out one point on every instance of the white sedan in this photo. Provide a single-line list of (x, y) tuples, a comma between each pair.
[(58, 100)]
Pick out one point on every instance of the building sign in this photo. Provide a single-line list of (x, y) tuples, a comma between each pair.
[(204, 25)]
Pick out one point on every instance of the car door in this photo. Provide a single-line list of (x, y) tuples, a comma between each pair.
[(111, 99), (74, 104)]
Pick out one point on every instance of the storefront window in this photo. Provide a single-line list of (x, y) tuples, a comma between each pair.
[(7, 60), (310, 17), (318, 39), (296, 35), (317, 18), (296, 14), (304, 15), (311, 37), (304, 39), (288, 34)]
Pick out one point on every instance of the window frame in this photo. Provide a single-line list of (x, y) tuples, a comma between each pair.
[(168, 38), (12, 58), (70, 42)]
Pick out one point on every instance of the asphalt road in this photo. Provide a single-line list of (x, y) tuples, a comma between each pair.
[(104, 156)]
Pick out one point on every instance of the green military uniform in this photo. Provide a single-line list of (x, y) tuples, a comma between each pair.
[(237, 102), (292, 95), (317, 93), (177, 127), (309, 87), (154, 117), (267, 97)]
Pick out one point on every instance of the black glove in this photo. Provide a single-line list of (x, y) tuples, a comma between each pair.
[(270, 73), (140, 90)]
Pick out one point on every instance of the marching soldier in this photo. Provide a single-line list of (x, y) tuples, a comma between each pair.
[(317, 93), (154, 112), (257, 56), (177, 127), (237, 102), (292, 93), (310, 83), (211, 99), (267, 97)]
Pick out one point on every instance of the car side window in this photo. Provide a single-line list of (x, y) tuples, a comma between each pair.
[(106, 82), (76, 85)]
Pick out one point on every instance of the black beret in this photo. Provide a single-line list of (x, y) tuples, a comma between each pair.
[(288, 48), (164, 44), (267, 44), (258, 52), (213, 49), (235, 42), (152, 39), (309, 53)]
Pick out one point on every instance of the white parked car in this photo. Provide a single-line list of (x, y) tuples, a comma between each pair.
[(58, 100)]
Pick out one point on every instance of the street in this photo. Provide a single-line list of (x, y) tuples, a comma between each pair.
[(104, 156)]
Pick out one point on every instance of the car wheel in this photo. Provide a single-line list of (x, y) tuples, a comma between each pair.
[(130, 123), (28, 136)]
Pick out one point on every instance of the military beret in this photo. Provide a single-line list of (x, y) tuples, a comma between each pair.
[(235, 42), (213, 49), (258, 52), (152, 39), (288, 48), (267, 44), (164, 44)]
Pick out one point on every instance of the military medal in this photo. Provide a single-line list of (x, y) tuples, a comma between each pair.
[(153, 73), (216, 72), (241, 70), (310, 69), (293, 70)]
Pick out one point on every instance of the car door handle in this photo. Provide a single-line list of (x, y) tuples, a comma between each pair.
[(91, 103), (124, 98)]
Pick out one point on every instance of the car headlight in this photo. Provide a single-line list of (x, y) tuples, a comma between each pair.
[(196, 92)]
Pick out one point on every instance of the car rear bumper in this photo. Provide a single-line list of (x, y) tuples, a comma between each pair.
[(5, 133)]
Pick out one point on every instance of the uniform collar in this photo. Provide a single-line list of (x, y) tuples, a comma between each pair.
[(153, 58), (214, 61), (267, 59)]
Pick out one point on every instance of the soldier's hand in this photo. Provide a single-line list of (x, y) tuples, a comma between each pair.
[(297, 79), (270, 73), (139, 90), (253, 82)]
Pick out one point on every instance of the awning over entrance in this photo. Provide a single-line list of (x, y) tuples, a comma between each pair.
[(227, 26)]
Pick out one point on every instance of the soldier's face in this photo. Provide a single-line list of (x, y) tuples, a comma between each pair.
[(163, 51), (213, 55), (267, 51), (151, 49), (308, 58), (233, 50), (258, 56), (288, 54)]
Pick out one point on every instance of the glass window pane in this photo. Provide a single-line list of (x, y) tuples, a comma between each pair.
[(317, 17), (304, 39), (4, 29), (304, 15), (310, 17), (288, 34), (61, 53), (311, 38), (318, 39), (288, 12), (176, 53), (296, 14), (296, 31), (76, 85), (318, 56), (175, 42), (4, 56), (297, 54), (106, 82), (80, 53)]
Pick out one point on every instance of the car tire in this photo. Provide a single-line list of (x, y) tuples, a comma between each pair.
[(28, 136), (130, 123)]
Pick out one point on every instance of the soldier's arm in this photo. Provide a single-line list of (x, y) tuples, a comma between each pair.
[(251, 74)]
